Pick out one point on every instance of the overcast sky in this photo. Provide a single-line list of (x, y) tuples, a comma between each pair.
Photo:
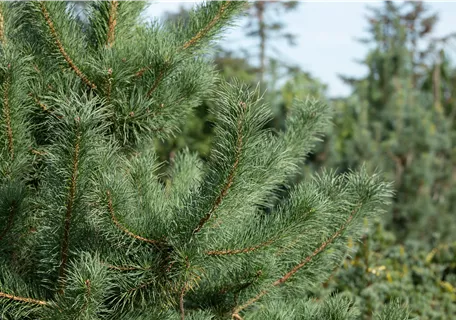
[(326, 33)]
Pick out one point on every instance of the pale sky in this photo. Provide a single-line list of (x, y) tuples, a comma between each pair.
[(326, 35)]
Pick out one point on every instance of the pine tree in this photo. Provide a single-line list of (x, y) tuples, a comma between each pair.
[(264, 26), (91, 227), (394, 121), (398, 119)]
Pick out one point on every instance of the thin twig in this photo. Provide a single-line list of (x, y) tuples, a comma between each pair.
[(22, 299), (2, 27), (289, 274), (7, 114), (184, 47), (112, 21), (124, 229), (158, 80), (208, 27), (69, 208), (230, 179), (62, 50), (238, 251), (88, 293)]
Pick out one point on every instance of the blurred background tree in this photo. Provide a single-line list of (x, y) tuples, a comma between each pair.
[(400, 118), (265, 23), (395, 119)]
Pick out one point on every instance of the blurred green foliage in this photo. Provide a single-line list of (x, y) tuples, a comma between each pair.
[(400, 119)]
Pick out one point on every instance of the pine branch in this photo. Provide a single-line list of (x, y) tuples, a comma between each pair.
[(87, 295), (2, 27), (40, 104), (158, 79), (181, 302), (204, 31), (69, 209), (9, 223), (109, 85), (317, 251), (207, 28), (22, 299), (37, 152), (142, 286), (124, 229), (231, 175), (238, 251), (123, 268), (112, 21), (289, 274), (60, 47), (7, 114)]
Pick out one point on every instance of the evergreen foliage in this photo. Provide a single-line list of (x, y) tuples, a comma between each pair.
[(92, 226), (381, 270), (396, 122), (399, 118)]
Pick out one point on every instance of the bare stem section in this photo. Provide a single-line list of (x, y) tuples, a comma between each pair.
[(22, 299), (112, 21), (69, 211), (230, 179)]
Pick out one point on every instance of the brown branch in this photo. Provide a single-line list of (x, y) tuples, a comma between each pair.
[(231, 175), (158, 80), (238, 251), (124, 229), (69, 208), (88, 293), (44, 107), (123, 268), (316, 252), (290, 273), (112, 23), (208, 27), (141, 71), (38, 102), (60, 47), (109, 85), (181, 302), (141, 286), (7, 114), (22, 299), (2, 27), (9, 223), (38, 152)]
